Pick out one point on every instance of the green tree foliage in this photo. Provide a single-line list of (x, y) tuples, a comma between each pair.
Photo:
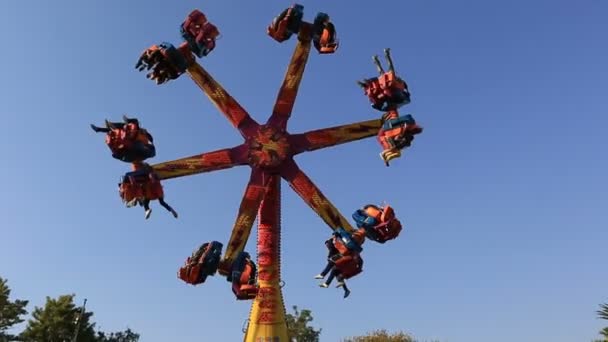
[(603, 311), (11, 312), (122, 336), (298, 326), (57, 322), (603, 314), (381, 336)]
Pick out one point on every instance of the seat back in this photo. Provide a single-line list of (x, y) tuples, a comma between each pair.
[(198, 253), (153, 190), (387, 214), (349, 266), (245, 292), (238, 267), (117, 140), (388, 230), (191, 274), (210, 31), (249, 274), (129, 191)]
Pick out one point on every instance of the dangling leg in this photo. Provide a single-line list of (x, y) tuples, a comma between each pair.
[(100, 129), (114, 125), (162, 202), (128, 120), (366, 82), (340, 280), (326, 270), (331, 277), (146, 204), (378, 65), (342, 283), (389, 60)]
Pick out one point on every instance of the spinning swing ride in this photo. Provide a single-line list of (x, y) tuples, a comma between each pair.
[(269, 150)]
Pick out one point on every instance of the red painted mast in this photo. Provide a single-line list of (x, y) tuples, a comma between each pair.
[(267, 317)]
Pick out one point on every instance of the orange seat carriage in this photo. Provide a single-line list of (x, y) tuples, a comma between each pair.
[(243, 277), (190, 273), (140, 184), (372, 215), (130, 143), (386, 91), (328, 41), (287, 23), (203, 263), (246, 288), (380, 223), (391, 83), (200, 35), (396, 134), (325, 37), (348, 260)]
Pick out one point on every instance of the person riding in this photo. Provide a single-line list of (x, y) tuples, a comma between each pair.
[(379, 222), (396, 134), (141, 186), (387, 91), (244, 277), (342, 260), (127, 140)]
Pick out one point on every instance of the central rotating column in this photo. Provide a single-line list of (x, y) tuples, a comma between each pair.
[(267, 317)]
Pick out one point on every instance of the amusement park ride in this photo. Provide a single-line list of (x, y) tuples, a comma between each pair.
[(269, 150)]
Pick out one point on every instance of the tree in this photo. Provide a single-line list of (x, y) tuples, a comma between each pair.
[(122, 336), (604, 334), (56, 322), (603, 314), (298, 329), (10, 311), (381, 336)]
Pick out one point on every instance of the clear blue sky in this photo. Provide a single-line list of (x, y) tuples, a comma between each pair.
[(504, 195)]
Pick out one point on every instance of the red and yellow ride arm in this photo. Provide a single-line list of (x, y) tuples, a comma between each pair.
[(327, 137), (231, 109), (254, 193), (315, 199), (206, 162), (291, 83)]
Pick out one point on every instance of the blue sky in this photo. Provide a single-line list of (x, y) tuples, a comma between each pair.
[(502, 194)]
